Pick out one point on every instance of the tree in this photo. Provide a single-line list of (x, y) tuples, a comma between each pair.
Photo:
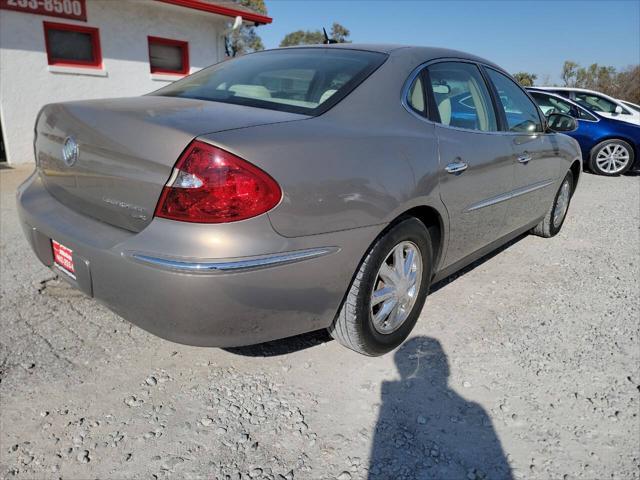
[(629, 84), (313, 37), (302, 37), (339, 33), (245, 39), (598, 77), (569, 73), (624, 84), (525, 79)]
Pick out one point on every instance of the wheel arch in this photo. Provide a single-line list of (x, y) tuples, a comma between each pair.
[(576, 169), (433, 220)]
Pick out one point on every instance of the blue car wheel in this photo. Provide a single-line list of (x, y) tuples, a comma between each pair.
[(611, 157)]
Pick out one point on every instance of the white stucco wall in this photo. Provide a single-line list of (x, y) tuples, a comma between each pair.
[(27, 82)]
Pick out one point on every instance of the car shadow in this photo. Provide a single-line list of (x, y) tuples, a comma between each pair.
[(632, 173), (289, 345), (283, 346), (472, 266), (426, 430)]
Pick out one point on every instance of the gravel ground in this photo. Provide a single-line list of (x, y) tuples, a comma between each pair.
[(526, 366)]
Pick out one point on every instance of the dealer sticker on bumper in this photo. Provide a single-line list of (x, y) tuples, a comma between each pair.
[(63, 258)]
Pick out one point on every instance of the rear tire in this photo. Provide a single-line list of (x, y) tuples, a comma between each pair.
[(611, 158), (359, 324), (554, 219)]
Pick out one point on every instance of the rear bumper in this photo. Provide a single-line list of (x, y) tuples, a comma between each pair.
[(209, 285)]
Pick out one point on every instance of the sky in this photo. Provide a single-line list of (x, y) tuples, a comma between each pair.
[(532, 36)]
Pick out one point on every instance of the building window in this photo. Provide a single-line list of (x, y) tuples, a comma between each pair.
[(72, 45), (168, 56)]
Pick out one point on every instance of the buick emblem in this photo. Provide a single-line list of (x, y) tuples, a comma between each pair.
[(70, 151)]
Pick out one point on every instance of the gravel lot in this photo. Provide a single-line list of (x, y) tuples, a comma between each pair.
[(526, 366)]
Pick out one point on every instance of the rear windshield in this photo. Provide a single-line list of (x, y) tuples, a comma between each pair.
[(299, 80)]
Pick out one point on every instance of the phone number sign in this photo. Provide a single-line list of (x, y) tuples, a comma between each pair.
[(73, 9)]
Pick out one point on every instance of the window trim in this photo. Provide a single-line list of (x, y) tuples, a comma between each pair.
[(433, 115), (95, 45), (184, 46)]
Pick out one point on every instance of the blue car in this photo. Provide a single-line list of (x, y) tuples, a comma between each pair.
[(609, 147)]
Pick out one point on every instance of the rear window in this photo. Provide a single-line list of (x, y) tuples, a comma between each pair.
[(300, 80)]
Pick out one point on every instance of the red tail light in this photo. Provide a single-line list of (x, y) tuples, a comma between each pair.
[(210, 185)]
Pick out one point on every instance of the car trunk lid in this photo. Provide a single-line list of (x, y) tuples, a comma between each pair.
[(126, 149)]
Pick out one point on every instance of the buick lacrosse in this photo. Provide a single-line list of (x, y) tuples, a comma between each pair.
[(294, 189)]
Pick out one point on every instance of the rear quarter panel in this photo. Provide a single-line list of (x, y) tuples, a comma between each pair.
[(335, 177)]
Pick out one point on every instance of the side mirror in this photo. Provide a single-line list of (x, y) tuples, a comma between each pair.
[(560, 122), (618, 109)]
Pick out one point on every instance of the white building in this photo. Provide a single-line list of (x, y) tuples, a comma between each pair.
[(58, 50)]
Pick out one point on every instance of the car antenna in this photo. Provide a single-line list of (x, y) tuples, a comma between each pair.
[(327, 40)]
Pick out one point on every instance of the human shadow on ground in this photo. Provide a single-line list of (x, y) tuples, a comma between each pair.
[(426, 430)]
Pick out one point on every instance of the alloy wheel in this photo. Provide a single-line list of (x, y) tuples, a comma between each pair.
[(612, 158), (396, 287)]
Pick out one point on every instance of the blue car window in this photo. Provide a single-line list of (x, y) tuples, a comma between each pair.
[(584, 115)]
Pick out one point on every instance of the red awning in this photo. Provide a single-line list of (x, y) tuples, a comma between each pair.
[(224, 10)]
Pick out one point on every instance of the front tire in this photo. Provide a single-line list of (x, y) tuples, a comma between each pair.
[(611, 158), (388, 292), (554, 219)]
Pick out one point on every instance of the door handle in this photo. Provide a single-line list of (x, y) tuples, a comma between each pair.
[(524, 158), (456, 168)]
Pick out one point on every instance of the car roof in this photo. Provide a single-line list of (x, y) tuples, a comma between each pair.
[(568, 89), (629, 103), (425, 54), (576, 89)]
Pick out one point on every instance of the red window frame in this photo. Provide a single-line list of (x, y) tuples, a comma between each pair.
[(95, 45), (184, 46)]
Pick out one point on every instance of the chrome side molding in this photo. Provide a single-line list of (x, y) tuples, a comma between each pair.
[(222, 266), (509, 195)]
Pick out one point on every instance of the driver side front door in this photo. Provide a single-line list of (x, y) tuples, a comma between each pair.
[(536, 156)]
